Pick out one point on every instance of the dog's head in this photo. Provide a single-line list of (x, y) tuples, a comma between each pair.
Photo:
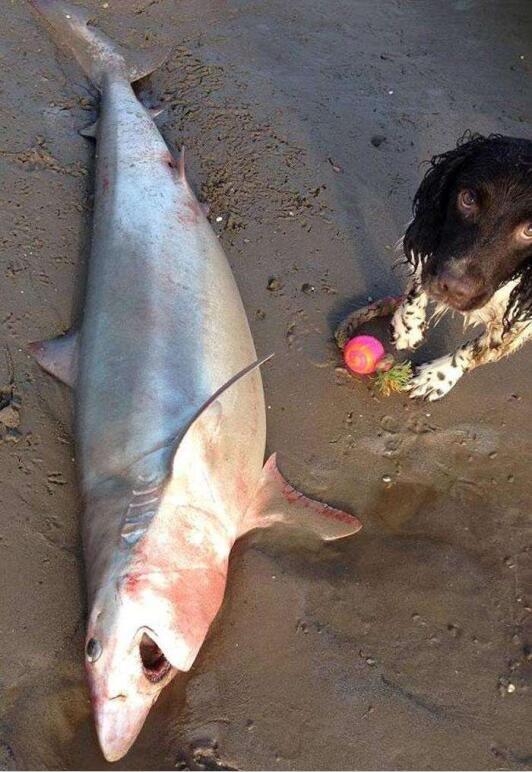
[(472, 226)]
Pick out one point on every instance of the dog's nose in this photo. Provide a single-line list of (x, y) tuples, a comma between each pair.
[(460, 291)]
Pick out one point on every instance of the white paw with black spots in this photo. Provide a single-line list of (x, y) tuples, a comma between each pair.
[(435, 379), (408, 328)]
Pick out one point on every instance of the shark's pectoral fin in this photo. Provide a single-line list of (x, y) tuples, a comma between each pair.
[(58, 356), (213, 416), (276, 501)]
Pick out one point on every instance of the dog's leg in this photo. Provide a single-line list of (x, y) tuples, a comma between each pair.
[(408, 322), (435, 379)]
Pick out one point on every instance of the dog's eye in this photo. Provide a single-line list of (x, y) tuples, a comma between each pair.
[(467, 200), (525, 231)]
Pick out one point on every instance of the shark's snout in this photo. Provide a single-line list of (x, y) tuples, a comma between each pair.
[(119, 720)]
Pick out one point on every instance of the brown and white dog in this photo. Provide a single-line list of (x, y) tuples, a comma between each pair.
[(470, 247)]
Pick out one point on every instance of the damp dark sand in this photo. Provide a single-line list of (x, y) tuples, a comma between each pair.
[(305, 124)]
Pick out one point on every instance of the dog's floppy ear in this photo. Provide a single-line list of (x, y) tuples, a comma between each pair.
[(430, 202), (519, 308)]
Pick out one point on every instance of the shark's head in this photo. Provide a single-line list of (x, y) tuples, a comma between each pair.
[(129, 661), (125, 679), (143, 629)]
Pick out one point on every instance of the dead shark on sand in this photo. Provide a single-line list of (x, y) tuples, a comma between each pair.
[(169, 405)]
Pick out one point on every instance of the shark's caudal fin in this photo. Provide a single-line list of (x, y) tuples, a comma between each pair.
[(95, 52), (276, 501)]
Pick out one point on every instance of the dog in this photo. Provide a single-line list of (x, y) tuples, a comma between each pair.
[(469, 246)]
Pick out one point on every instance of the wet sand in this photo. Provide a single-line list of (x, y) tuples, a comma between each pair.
[(407, 646)]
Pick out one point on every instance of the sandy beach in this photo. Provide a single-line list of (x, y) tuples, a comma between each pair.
[(306, 124)]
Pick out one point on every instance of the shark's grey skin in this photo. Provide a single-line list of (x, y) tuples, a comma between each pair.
[(170, 418)]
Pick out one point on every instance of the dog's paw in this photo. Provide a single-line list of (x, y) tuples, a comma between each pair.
[(408, 328), (435, 379)]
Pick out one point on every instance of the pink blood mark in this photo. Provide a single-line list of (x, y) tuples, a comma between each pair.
[(132, 584), (291, 494), (170, 161), (174, 165), (189, 213), (105, 183), (242, 487)]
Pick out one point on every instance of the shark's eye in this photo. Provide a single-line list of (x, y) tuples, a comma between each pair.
[(154, 663), (93, 650)]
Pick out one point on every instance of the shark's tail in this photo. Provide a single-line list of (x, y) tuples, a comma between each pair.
[(97, 54)]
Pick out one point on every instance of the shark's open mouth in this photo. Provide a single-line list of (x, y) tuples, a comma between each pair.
[(154, 663)]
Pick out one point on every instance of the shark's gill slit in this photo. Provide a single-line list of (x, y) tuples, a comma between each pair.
[(155, 664)]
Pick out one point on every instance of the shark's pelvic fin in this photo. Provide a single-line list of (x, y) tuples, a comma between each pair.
[(276, 501)]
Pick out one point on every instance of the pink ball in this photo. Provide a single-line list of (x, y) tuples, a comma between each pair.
[(362, 353)]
